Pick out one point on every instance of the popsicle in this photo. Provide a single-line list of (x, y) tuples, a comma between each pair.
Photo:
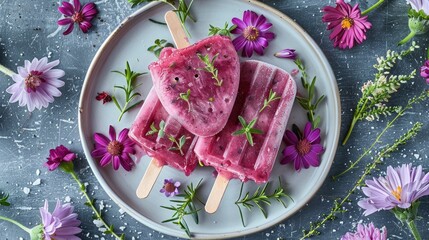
[(232, 155), (159, 134), (198, 84)]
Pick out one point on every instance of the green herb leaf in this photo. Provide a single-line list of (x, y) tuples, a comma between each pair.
[(3, 200), (185, 97), (272, 96), (178, 144), (247, 130), (225, 31), (210, 67), (160, 131), (159, 44)]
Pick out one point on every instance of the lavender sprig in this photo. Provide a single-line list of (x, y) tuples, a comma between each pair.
[(375, 94), (3, 200)]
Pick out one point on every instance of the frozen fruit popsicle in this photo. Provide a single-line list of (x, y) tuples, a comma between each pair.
[(161, 136), (198, 85), (233, 156)]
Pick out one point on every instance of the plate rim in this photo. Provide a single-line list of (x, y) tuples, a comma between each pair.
[(167, 230)]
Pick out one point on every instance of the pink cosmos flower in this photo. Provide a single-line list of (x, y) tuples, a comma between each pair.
[(62, 223), (424, 71), (170, 188), (347, 25), (57, 156), (303, 150), (367, 232), (36, 84), (254, 34), (74, 13), (400, 188), (114, 150)]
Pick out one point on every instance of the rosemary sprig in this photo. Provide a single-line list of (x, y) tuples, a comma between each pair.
[(3, 200), (247, 129), (160, 131), (210, 67), (271, 98), (179, 143), (375, 94), (185, 97), (158, 45), (311, 102), (129, 90), (225, 31), (260, 198), (423, 96), (338, 206), (184, 207)]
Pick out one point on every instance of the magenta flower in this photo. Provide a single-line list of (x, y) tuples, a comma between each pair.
[(114, 150), (62, 223), (170, 188), (57, 156), (74, 13), (254, 33), (303, 150), (424, 71), (103, 96), (347, 25), (36, 84), (400, 188), (286, 53), (367, 232)]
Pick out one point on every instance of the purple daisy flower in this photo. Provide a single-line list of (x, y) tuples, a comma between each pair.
[(367, 232), (254, 33), (74, 13), (400, 188), (36, 84), (62, 223), (303, 150), (347, 25), (114, 150), (286, 53), (57, 156), (170, 188), (424, 71)]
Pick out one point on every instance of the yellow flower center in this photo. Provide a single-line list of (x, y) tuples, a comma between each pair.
[(397, 193), (347, 23), (251, 33)]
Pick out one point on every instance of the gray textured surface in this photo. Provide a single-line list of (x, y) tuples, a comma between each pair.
[(25, 138)]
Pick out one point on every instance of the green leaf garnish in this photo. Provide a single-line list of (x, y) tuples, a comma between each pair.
[(271, 98), (160, 131), (159, 44), (247, 129), (129, 90), (210, 67), (184, 206), (225, 31), (179, 143), (3, 200), (185, 97)]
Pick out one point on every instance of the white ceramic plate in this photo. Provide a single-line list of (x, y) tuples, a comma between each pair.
[(129, 43)]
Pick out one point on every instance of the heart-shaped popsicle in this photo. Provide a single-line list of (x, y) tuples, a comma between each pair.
[(198, 85)]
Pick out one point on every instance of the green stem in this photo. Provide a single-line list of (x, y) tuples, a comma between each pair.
[(349, 133), (90, 203), (6, 70), (427, 54), (16, 223), (413, 229), (407, 38), (376, 5), (123, 111)]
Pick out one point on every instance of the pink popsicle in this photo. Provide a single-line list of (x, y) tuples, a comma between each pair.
[(233, 156)]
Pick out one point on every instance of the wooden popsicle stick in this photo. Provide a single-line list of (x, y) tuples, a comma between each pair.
[(149, 179), (216, 194), (153, 170)]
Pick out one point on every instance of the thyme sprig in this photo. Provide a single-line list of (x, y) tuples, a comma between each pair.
[(129, 90), (182, 10), (210, 67), (247, 129), (338, 206), (259, 198), (185, 97), (158, 45), (184, 207), (179, 143), (3, 200), (225, 31), (375, 94), (160, 131), (271, 98), (423, 96), (311, 102)]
